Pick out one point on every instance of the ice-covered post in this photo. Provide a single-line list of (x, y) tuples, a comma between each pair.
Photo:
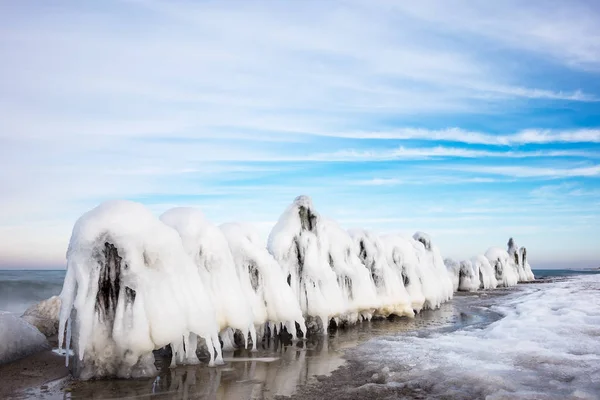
[(299, 246), (129, 289)]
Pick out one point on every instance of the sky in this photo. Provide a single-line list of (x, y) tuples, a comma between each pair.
[(473, 121)]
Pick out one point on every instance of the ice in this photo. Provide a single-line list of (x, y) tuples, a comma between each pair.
[(519, 258), (19, 338), (402, 256), (545, 347), (487, 275), (453, 267), (435, 280), (272, 299), (388, 281), (207, 246), (130, 288), (504, 267), (298, 244), (136, 283)]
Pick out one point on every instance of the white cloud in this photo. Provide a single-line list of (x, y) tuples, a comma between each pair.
[(527, 136), (530, 171)]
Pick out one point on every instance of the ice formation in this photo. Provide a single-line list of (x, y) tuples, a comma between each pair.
[(435, 280), (357, 284), (272, 299), (402, 256), (208, 248), (504, 268), (298, 244), (135, 283), (388, 281), (487, 275), (469, 276), (19, 338), (453, 267), (518, 257), (130, 288)]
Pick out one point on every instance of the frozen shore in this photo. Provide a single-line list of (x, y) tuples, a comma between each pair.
[(277, 369)]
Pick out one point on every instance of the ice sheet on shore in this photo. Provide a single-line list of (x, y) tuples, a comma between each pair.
[(545, 347)]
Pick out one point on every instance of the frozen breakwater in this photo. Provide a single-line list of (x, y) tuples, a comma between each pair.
[(137, 283)]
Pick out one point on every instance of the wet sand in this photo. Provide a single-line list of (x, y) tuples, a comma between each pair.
[(311, 369)]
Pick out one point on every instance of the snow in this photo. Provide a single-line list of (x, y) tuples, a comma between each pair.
[(19, 338), (545, 347), (207, 246), (129, 288)]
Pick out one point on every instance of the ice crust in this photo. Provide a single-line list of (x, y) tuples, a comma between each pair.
[(136, 283), (544, 347)]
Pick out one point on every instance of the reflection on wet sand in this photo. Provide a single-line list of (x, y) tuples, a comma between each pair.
[(277, 369)]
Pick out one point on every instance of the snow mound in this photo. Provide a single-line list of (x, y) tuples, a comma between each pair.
[(388, 281), (44, 315), (19, 338), (272, 299), (130, 288), (207, 246), (504, 267)]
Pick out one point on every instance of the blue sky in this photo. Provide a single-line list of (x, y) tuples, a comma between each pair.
[(470, 120)]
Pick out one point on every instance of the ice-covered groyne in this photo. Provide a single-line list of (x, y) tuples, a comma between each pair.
[(130, 288), (136, 283), (272, 299)]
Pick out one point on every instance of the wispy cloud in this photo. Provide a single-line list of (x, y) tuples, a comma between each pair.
[(527, 136), (529, 171)]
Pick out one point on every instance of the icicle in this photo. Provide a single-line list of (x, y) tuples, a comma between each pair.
[(68, 344), (253, 337), (211, 351)]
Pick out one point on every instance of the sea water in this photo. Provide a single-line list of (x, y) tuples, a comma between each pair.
[(20, 289)]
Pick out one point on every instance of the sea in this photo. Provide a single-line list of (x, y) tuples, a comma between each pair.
[(537, 340), (20, 289)]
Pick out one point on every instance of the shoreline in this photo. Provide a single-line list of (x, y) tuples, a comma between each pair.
[(277, 370)]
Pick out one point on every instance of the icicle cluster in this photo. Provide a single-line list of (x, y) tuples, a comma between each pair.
[(136, 283)]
